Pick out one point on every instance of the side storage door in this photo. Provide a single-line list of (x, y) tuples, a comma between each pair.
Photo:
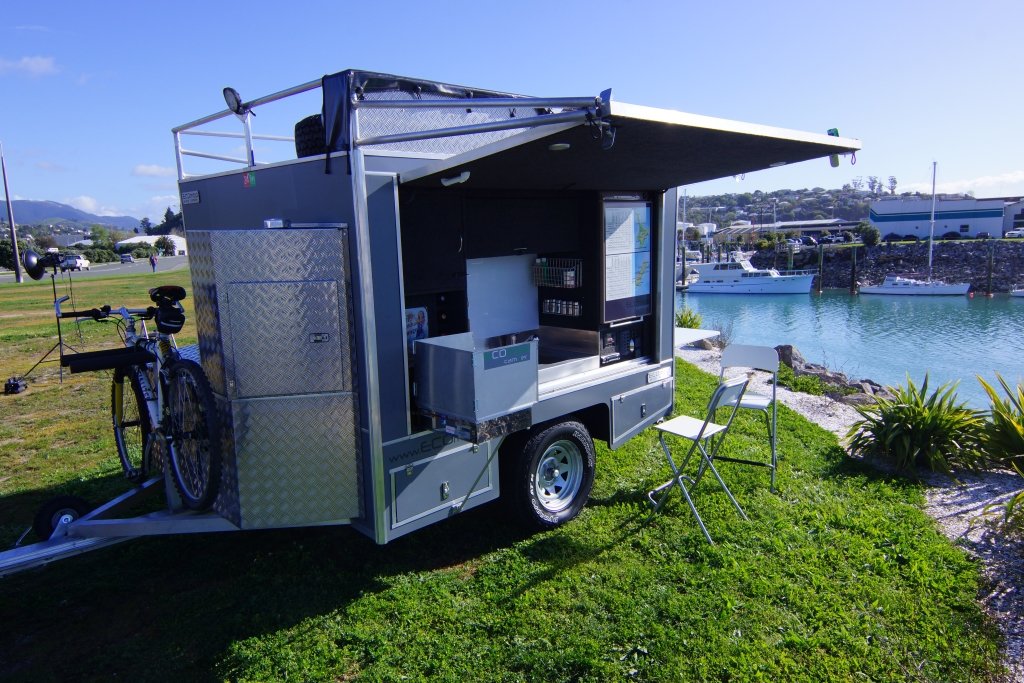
[(639, 408)]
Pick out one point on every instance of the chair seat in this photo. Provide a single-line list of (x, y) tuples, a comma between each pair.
[(755, 401), (689, 427)]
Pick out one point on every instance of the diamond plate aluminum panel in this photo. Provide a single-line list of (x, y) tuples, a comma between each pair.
[(190, 352), (287, 460), (227, 504), (225, 257), (373, 122), (297, 460), (205, 304), (297, 324)]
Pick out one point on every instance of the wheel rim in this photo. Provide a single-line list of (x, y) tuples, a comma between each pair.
[(558, 475), (129, 430), (66, 515)]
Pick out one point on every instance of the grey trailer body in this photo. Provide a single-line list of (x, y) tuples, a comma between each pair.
[(434, 274)]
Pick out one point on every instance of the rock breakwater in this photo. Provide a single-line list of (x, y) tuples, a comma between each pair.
[(951, 261)]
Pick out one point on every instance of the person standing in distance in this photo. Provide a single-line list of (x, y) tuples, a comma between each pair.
[(152, 261)]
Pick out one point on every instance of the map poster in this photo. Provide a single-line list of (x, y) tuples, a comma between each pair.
[(627, 259)]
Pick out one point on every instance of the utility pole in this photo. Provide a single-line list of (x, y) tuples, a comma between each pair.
[(10, 219)]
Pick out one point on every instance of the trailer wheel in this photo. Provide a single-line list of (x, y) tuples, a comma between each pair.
[(309, 136), (549, 480), (54, 510)]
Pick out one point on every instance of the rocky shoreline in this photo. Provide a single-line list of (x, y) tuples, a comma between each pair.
[(954, 261), (957, 504), (838, 386)]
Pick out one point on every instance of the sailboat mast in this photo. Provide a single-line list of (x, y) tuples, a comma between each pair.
[(931, 229)]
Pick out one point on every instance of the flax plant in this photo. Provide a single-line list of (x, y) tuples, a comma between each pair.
[(688, 318), (915, 428), (1004, 433)]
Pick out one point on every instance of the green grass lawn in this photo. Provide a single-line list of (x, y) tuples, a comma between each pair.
[(839, 576)]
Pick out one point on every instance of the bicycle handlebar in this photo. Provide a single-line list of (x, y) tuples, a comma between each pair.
[(105, 311), (94, 313)]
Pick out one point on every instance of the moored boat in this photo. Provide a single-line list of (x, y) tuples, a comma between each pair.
[(900, 284), (1017, 292), (739, 277)]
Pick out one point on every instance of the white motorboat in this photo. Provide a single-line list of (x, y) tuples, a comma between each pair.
[(1017, 292), (739, 277), (900, 284)]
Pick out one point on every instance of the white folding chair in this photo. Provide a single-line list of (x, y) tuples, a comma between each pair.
[(702, 434), (763, 358)]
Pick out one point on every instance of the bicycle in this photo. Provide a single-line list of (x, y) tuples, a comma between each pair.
[(162, 407)]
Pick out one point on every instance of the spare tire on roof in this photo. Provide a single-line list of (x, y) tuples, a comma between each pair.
[(309, 136)]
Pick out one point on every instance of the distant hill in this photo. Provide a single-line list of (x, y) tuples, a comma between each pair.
[(32, 212)]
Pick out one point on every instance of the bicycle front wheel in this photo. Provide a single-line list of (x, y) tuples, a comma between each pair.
[(131, 424), (193, 435)]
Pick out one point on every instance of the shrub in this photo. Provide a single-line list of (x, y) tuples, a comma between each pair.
[(951, 235), (1004, 432), (100, 255), (808, 384), (848, 236), (870, 236), (914, 428), (725, 332), (893, 237), (1012, 521), (689, 318)]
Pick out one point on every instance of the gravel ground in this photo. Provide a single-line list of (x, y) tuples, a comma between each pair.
[(958, 505)]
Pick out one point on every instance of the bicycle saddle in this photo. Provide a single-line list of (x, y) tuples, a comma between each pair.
[(166, 295)]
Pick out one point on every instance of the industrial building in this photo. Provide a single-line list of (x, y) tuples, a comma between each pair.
[(966, 216)]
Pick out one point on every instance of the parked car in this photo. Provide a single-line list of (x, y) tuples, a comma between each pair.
[(127, 258), (74, 262), (809, 241), (1014, 233)]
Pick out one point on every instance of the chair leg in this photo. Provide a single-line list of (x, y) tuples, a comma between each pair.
[(677, 480), (771, 439), (711, 466)]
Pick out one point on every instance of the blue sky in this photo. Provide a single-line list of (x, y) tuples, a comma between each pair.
[(91, 90)]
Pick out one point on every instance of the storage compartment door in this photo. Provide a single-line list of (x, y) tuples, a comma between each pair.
[(635, 410), (287, 338), (456, 478)]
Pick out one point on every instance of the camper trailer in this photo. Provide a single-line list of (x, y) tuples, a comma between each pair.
[(440, 294)]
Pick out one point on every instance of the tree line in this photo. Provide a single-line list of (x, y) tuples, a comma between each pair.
[(39, 238)]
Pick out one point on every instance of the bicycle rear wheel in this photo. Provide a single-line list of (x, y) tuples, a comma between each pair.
[(130, 420), (193, 435)]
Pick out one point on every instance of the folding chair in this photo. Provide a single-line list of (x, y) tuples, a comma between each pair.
[(702, 434), (763, 358)]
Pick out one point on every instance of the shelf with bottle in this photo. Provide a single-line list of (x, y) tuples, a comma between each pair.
[(564, 273), (571, 309)]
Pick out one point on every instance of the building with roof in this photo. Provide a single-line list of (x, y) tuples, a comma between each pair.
[(966, 216), (747, 232), (180, 243)]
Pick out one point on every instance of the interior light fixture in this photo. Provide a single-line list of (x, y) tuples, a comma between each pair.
[(777, 164), (559, 146), (455, 180)]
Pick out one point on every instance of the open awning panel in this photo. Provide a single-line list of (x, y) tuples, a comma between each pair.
[(654, 149)]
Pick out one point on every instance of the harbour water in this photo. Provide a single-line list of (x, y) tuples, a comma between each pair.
[(883, 338)]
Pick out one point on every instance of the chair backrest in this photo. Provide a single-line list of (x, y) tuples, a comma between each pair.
[(754, 357), (727, 394)]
